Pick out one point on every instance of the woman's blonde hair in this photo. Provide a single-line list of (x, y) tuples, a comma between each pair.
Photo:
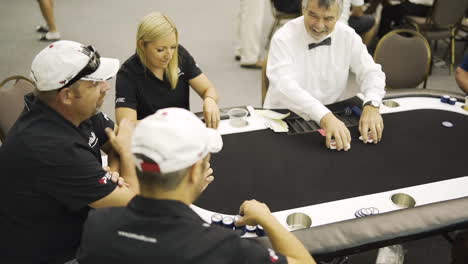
[(153, 27)]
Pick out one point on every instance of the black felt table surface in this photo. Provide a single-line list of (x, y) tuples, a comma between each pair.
[(293, 171)]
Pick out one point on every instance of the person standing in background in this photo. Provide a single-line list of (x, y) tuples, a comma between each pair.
[(50, 31), (249, 33)]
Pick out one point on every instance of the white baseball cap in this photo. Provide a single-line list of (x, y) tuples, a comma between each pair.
[(62, 61), (174, 139)]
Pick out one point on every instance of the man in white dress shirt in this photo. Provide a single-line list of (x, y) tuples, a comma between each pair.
[(308, 66)]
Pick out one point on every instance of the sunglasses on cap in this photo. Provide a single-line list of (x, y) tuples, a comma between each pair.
[(92, 66)]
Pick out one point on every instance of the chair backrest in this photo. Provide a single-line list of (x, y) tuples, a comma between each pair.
[(447, 13), (289, 10), (405, 56), (12, 101), (265, 82)]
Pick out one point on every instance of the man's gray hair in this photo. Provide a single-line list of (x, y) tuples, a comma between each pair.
[(324, 4)]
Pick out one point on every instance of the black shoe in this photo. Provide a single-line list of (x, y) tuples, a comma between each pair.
[(42, 29)]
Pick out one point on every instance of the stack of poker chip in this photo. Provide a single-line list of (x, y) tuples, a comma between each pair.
[(251, 229), (240, 229), (260, 231), (366, 212), (217, 219), (448, 100), (230, 223)]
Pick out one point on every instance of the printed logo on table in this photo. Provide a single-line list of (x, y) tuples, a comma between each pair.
[(104, 179), (92, 140)]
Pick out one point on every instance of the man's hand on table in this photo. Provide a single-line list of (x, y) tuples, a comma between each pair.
[(371, 124), (253, 213), (336, 129)]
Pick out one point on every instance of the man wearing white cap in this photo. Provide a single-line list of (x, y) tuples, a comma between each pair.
[(51, 159), (172, 151)]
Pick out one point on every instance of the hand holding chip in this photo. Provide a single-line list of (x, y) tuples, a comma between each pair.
[(253, 213), (371, 125), (337, 134)]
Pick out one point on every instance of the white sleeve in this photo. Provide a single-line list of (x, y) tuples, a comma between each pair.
[(369, 75), (283, 79)]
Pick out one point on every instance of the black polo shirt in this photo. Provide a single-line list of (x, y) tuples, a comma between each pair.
[(51, 171), (138, 88), (164, 231)]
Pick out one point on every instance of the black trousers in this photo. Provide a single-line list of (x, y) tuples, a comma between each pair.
[(392, 16)]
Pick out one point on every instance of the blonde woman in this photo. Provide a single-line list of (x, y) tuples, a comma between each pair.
[(159, 74)]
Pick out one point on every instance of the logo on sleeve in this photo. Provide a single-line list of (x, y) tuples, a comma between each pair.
[(105, 178), (120, 100), (92, 140), (273, 257), (105, 117)]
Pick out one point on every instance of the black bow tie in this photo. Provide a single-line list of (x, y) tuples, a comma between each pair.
[(325, 42)]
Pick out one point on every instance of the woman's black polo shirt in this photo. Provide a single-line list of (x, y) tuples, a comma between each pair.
[(137, 87)]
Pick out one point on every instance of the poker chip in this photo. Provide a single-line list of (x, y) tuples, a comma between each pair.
[(452, 101), (260, 231), (447, 124), (369, 140), (228, 222), (333, 144), (216, 219), (250, 229), (444, 99)]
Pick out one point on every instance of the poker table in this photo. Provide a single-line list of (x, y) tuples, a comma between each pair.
[(416, 177)]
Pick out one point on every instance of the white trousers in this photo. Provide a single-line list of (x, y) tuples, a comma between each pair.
[(249, 30)]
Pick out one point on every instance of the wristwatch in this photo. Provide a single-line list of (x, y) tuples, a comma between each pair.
[(373, 103)]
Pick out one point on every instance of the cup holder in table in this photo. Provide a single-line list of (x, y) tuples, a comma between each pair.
[(298, 221), (403, 200), (390, 103)]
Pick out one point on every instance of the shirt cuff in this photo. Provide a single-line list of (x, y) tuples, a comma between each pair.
[(373, 96), (318, 112)]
